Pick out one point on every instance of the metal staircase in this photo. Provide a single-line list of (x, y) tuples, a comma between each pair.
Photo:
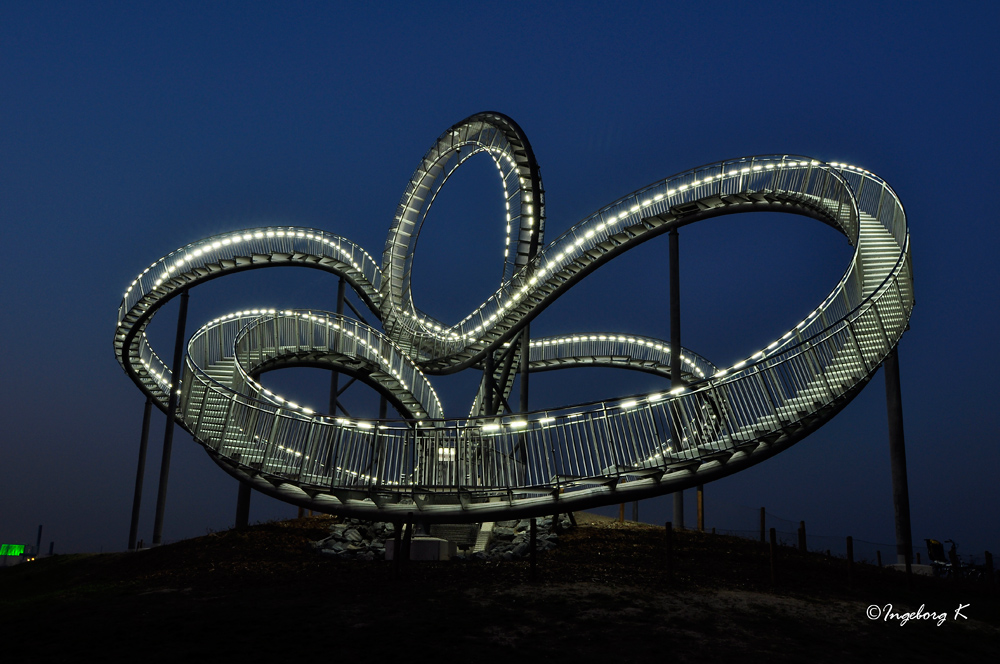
[(486, 467)]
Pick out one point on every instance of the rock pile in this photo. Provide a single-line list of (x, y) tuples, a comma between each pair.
[(353, 538), (365, 540), (512, 539)]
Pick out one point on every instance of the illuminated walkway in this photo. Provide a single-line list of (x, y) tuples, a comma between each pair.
[(488, 465)]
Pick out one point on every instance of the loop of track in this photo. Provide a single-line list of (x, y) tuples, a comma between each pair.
[(480, 468)]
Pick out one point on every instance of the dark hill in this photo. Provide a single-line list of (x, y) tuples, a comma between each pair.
[(603, 594)]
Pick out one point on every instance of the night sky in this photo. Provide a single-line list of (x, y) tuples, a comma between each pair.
[(128, 132)]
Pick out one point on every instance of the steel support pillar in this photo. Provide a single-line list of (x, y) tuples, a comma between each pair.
[(701, 508), (522, 452), (675, 312), (525, 361), (168, 434), (897, 456), (335, 376), (488, 384), (675, 353), (133, 531), (243, 506)]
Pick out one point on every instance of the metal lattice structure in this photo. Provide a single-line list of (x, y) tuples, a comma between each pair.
[(519, 464)]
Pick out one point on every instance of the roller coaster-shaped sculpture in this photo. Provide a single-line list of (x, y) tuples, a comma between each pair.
[(494, 463)]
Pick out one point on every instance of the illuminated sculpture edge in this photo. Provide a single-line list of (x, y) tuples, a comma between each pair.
[(492, 465)]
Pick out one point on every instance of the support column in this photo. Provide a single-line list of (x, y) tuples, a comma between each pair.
[(675, 353), (488, 384), (525, 346), (701, 508), (133, 531), (675, 312), (335, 376), (522, 453), (243, 506), (897, 456), (168, 434), (679, 509)]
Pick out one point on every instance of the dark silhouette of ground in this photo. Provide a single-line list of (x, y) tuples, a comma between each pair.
[(265, 594)]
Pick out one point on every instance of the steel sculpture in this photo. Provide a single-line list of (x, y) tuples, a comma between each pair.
[(495, 463)]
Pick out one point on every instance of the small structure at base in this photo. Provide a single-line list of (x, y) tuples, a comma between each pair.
[(13, 554), (423, 547)]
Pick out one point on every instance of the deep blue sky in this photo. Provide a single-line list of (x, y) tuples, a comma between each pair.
[(127, 132)]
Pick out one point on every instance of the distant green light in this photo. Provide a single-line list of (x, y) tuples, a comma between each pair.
[(11, 549)]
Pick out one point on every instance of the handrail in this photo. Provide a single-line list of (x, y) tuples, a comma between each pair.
[(511, 303), (217, 256), (722, 420)]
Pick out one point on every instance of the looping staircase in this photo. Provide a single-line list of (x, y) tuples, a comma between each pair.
[(486, 467)]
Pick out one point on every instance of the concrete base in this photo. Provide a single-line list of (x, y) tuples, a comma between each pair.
[(424, 548)]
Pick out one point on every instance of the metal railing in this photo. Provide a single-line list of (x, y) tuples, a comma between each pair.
[(621, 222), (214, 257), (579, 455), (623, 349)]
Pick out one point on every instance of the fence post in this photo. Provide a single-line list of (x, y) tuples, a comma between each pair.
[(850, 560), (761, 525), (802, 536), (989, 570), (878, 557), (774, 553)]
